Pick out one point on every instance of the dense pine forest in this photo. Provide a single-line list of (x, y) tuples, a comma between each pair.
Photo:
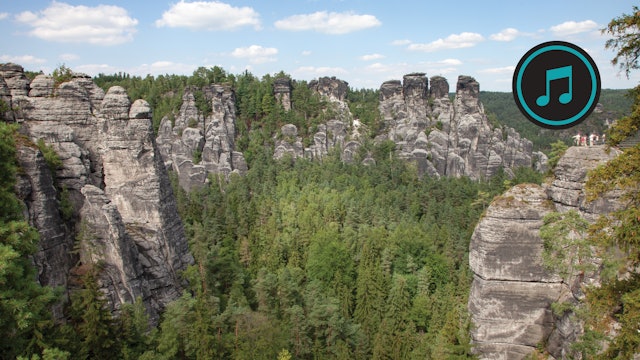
[(304, 259), (296, 259)]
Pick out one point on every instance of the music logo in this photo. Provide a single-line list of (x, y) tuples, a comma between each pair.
[(556, 85)]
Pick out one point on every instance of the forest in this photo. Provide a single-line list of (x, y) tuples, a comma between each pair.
[(296, 259), (301, 259)]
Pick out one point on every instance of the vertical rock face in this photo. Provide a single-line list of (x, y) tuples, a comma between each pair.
[(330, 87), (511, 293), (448, 138), (282, 92), (340, 132), (194, 145), (124, 215)]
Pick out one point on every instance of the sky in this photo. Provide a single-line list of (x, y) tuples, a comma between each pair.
[(363, 42)]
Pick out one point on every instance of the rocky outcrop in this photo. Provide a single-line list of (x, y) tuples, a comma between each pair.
[(448, 138), (341, 132), (195, 145), (122, 212), (511, 293), (282, 92), (14, 77)]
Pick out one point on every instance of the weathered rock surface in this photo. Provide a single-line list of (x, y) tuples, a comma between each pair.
[(195, 146), (17, 81), (448, 138), (282, 92), (511, 293), (35, 187), (341, 132), (123, 207)]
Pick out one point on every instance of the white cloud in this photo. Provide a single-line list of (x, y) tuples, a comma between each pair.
[(401, 42), (209, 15), (507, 34), (328, 23), (4, 15), (370, 57), (453, 41), (95, 69), (319, 71), (498, 70), (22, 59), (256, 54), (450, 62), (572, 27), (306, 53), (163, 67), (100, 25), (68, 57)]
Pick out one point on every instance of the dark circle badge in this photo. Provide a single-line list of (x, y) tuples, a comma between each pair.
[(556, 85)]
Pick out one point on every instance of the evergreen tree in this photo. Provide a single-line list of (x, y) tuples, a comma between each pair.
[(25, 318)]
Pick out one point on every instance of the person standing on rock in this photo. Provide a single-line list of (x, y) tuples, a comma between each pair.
[(576, 139)]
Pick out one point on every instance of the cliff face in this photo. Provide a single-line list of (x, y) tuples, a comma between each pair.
[(511, 293), (123, 213), (340, 133), (443, 137), (448, 138), (195, 145)]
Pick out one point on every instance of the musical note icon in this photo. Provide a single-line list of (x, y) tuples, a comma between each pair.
[(556, 74)]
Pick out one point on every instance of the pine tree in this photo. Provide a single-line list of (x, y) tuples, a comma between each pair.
[(25, 318), (93, 326)]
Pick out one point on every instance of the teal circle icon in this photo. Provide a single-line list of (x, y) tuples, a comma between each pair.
[(556, 85)]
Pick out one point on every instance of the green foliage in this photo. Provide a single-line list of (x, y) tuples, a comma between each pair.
[(66, 206), (501, 110), (615, 236), (50, 156), (566, 250), (4, 109), (363, 104), (558, 149), (91, 330), (326, 260), (25, 318), (625, 32), (61, 74), (197, 156)]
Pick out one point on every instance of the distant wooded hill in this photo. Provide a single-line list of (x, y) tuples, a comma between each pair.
[(501, 108)]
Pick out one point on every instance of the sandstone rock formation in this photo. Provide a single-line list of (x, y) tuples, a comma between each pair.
[(448, 138), (123, 213), (511, 292), (340, 132), (195, 145), (282, 92)]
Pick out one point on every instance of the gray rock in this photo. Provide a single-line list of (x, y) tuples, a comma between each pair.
[(289, 130), (42, 85), (439, 87), (16, 80), (463, 143), (390, 89), (282, 92), (116, 104), (140, 109), (511, 292), (117, 185), (332, 88), (5, 98), (212, 138), (36, 190)]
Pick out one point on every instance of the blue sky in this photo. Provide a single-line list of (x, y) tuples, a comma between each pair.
[(364, 42)]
